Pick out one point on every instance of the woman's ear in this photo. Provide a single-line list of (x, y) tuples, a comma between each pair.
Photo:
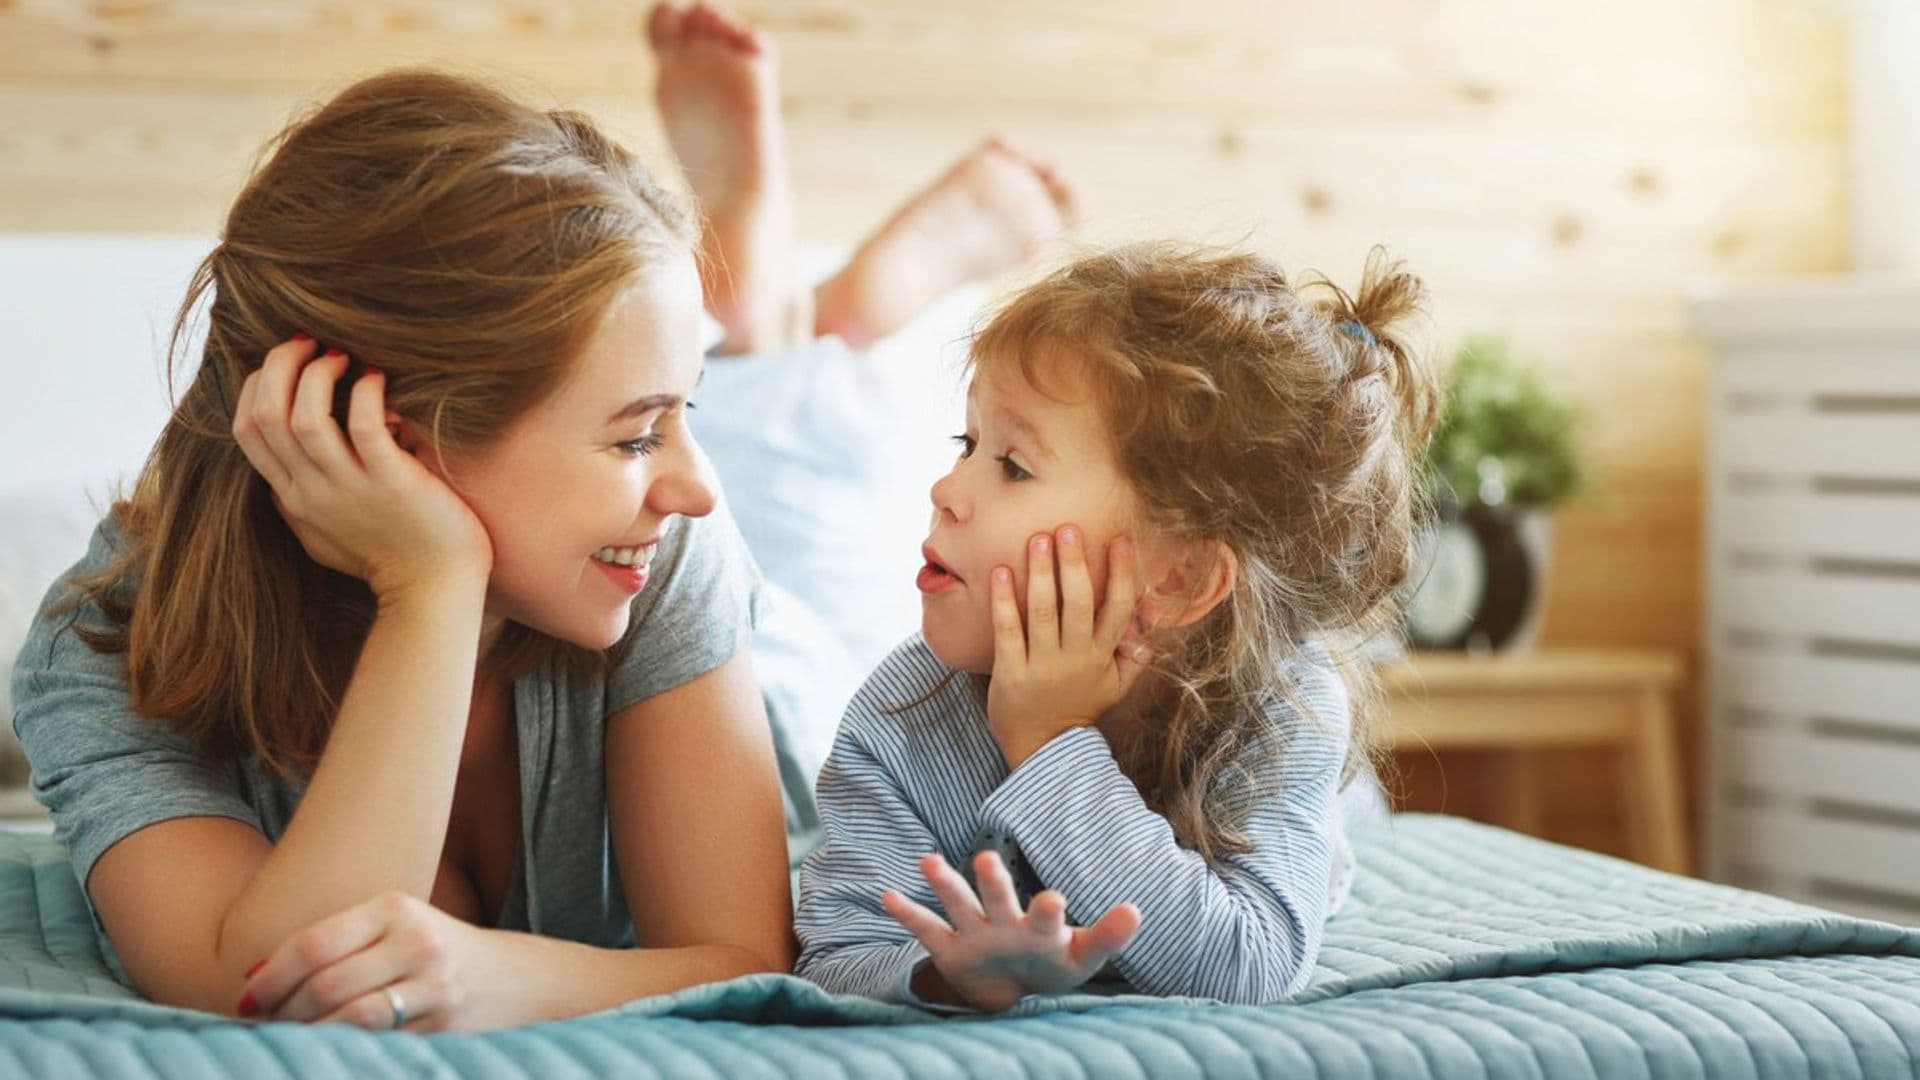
[(402, 431), (408, 436), (1192, 581)]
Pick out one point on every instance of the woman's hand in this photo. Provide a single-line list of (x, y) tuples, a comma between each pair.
[(396, 949), (993, 954), (358, 502), (1065, 668)]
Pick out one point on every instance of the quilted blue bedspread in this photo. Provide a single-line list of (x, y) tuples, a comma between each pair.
[(1465, 951)]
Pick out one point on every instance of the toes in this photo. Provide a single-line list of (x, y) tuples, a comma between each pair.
[(711, 21), (665, 23), (1062, 193), (1065, 197), (702, 21)]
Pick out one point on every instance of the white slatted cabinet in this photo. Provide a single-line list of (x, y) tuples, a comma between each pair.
[(1812, 570)]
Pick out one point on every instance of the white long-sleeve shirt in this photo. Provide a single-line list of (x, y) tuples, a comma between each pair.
[(899, 784)]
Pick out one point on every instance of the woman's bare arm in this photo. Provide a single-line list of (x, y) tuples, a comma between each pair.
[(694, 798), (192, 903), (694, 801)]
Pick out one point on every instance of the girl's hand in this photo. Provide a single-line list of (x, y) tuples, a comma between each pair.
[(993, 954), (358, 503), (353, 968), (1065, 669)]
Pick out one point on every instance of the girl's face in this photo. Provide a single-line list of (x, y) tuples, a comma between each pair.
[(602, 464), (1028, 465)]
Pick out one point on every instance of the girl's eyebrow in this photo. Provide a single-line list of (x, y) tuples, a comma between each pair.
[(1026, 427)]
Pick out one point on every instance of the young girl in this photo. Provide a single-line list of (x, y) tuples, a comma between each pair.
[(1151, 780)]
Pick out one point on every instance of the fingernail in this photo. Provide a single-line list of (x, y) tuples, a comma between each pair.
[(1042, 545), (257, 965), (247, 1006), (371, 370), (302, 335), (1003, 575), (1069, 537)]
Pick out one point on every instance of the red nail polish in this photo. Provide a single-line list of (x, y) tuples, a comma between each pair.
[(257, 965), (247, 1006), (302, 335), (371, 370)]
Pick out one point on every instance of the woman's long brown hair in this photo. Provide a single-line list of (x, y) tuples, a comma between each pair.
[(1283, 422), (465, 243)]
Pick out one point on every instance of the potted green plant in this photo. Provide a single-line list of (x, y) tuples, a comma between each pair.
[(1505, 454)]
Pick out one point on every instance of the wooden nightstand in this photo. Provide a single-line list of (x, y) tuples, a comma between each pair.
[(1550, 699)]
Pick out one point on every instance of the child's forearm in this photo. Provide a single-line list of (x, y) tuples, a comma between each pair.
[(1241, 932)]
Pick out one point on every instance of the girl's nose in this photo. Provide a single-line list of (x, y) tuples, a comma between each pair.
[(947, 498)]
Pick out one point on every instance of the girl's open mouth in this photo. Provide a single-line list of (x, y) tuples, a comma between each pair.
[(935, 577)]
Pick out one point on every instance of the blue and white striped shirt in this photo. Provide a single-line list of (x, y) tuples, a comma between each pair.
[(900, 784)]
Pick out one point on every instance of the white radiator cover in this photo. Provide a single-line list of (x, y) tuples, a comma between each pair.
[(1812, 630)]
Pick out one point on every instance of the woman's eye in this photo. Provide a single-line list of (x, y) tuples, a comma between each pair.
[(642, 446), (1013, 469), (966, 445)]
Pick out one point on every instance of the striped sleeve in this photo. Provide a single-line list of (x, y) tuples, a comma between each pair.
[(873, 839), (1246, 930)]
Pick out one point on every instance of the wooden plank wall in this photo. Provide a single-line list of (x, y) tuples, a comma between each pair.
[(1560, 171)]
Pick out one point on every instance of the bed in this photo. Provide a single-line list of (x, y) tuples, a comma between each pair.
[(1466, 951)]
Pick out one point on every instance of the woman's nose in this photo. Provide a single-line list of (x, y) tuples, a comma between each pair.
[(689, 488)]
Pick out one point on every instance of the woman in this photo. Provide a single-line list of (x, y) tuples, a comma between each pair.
[(413, 708)]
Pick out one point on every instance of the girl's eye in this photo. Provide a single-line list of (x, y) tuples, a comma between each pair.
[(642, 446), (1012, 468), (966, 445)]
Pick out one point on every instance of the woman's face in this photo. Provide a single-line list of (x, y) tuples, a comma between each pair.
[(576, 494)]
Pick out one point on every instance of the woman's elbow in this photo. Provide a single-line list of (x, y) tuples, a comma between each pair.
[(762, 957)]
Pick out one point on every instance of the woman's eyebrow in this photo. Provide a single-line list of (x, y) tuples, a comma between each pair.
[(642, 406)]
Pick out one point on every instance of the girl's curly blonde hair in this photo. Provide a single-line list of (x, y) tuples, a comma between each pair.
[(1283, 422)]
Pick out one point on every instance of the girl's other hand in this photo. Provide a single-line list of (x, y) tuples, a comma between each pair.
[(357, 501), (1067, 666), (354, 967), (992, 954)]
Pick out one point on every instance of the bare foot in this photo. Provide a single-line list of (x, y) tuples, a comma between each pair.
[(719, 97), (991, 211)]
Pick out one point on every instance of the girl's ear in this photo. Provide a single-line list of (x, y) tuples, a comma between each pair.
[(1191, 583)]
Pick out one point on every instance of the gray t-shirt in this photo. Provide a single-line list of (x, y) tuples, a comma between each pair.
[(105, 772)]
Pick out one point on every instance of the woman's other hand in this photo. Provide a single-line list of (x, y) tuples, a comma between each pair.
[(395, 961), (358, 502)]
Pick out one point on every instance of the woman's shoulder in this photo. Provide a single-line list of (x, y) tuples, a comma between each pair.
[(65, 605)]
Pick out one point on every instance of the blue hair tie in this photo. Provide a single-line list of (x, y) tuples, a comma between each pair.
[(1354, 328)]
